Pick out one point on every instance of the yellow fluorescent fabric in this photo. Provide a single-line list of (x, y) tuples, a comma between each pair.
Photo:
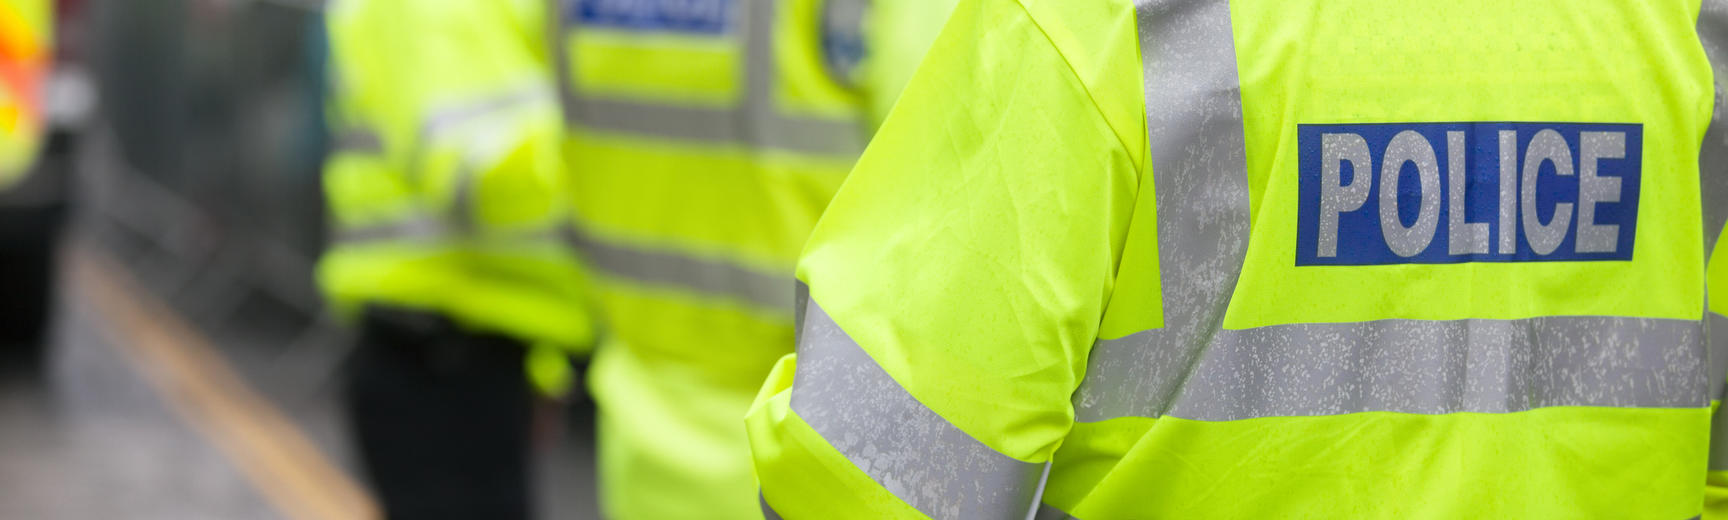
[(666, 438), (447, 186), (1539, 464), (697, 69), (732, 205)]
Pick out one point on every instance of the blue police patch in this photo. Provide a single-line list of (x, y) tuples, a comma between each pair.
[(686, 16), (1437, 193)]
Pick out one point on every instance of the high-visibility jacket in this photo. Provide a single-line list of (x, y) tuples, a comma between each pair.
[(446, 183), (705, 138), (26, 54), (1271, 259)]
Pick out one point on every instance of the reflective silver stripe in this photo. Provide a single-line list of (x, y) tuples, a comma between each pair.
[(1713, 191), (703, 276), (1194, 122), (1713, 156), (1049, 512), (415, 228), (462, 206), (442, 121), (358, 141), (1716, 330), (1716, 327), (754, 122), (422, 228), (768, 512), (1433, 367), (842, 393)]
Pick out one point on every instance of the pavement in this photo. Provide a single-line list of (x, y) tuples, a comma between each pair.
[(132, 411)]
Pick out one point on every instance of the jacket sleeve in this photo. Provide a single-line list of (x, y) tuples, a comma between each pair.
[(955, 284)]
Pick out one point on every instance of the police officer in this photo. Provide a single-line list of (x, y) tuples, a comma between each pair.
[(1257, 259), (446, 194), (705, 138)]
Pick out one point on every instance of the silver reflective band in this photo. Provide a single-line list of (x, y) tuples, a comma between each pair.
[(463, 210), (414, 228), (768, 512), (754, 122), (1194, 122), (358, 141), (1716, 330), (437, 125), (1049, 512), (443, 121), (1716, 327), (423, 228), (707, 277), (1408, 366), (1713, 156), (842, 393)]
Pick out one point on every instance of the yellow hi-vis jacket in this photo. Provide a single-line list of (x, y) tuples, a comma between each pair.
[(706, 136), (446, 185), (1271, 259), (26, 55)]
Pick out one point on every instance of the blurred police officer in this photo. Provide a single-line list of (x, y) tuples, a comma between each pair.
[(445, 189), (706, 137)]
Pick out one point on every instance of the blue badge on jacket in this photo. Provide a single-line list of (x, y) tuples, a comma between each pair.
[(681, 16), (1436, 193)]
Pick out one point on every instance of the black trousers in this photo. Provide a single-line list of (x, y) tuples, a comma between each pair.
[(442, 418)]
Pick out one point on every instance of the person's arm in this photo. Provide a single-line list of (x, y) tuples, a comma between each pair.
[(956, 282)]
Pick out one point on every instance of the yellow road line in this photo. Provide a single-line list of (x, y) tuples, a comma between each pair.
[(291, 473)]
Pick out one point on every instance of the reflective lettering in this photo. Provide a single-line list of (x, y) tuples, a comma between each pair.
[(1594, 189), (1442, 193), (1508, 192), (1337, 197), (1464, 238), (1409, 147), (1547, 147)]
